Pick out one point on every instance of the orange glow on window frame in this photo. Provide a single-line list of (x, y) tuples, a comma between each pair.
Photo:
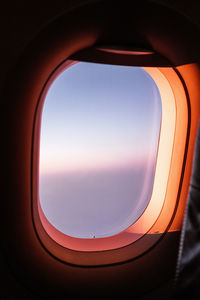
[(170, 155)]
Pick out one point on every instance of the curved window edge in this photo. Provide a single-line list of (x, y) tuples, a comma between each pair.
[(171, 110)]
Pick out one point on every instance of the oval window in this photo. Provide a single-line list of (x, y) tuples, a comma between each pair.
[(98, 148)]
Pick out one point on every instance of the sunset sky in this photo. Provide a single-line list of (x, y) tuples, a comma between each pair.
[(99, 137)]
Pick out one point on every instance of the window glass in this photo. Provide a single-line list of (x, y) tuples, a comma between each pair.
[(98, 148)]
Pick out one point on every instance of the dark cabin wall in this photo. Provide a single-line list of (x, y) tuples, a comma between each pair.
[(21, 20)]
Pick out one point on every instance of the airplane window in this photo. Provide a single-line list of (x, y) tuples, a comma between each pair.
[(98, 148)]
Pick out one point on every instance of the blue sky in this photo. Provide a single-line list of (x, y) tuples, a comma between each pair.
[(99, 137)]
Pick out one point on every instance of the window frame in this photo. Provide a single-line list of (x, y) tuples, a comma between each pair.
[(63, 246)]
